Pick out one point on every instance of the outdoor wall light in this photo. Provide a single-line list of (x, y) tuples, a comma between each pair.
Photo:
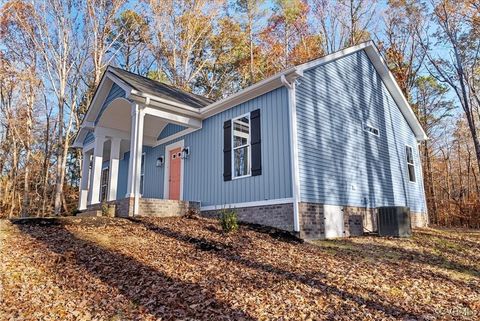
[(185, 152), (160, 161)]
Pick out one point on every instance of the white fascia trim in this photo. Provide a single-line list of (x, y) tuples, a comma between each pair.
[(149, 99), (394, 89), (248, 93), (175, 136), (387, 77), (277, 201), (174, 118), (116, 79), (88, 147), (334, 56), (108, 74)]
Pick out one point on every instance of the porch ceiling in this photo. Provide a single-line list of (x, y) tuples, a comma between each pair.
[(118, 116)]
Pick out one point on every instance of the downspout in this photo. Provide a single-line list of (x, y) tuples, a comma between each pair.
[(293, 150)]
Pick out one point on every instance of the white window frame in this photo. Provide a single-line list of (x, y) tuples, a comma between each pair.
[(412, 164), (364, 125), (249, 146)]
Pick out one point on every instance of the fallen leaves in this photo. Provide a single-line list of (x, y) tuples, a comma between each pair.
[(185, 269)]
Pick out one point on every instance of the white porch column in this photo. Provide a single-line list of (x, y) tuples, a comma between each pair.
[(96, 175), (82, 202), (134, 164), (114, 160)]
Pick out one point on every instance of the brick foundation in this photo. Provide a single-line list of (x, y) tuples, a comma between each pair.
[(149, 207), (357, 220), (279, 216), (165, 208), (312, 221)]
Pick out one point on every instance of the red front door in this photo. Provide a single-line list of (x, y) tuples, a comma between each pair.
[(174, 175)]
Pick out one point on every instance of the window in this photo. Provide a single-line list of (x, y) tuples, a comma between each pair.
[(142, 173), (241, 146), (104, 186), (410, 163), (371, 129)]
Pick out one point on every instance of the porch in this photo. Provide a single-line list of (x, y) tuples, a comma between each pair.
[(123, 120)]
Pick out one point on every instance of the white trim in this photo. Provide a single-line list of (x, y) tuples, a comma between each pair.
[(117, 133), (89, 147), (277, 201), (334, 56), (95, 177), (84, 181), (161, 102), (365, 124), (292, 110), (413, 164), (115, 144), (394, 89), (248, 93), (274, 82), (175, 136), (166, 172), (248, 145), (174, 118)]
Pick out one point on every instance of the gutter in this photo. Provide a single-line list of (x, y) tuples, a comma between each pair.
[(292, 108)]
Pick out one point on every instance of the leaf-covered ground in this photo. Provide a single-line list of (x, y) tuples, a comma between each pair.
[(185, 269)]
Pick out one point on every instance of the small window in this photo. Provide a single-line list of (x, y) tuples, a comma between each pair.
[(410, 163), (104, 186), (371, 129), (241, 146), (142, 173)]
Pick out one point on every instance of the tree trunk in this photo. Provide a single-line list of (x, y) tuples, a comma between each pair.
[(60, 177)]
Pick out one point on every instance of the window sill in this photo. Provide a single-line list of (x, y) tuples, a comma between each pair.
[(240, 177)]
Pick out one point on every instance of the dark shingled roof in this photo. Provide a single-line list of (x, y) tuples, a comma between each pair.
[(153, 87)]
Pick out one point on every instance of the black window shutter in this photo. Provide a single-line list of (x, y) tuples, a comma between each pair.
[(255, 141), (227, 150)]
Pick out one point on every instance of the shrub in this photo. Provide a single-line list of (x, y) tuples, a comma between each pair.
[(192, 213), (228, 220)]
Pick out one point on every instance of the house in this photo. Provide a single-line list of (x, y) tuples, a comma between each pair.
[(314, 149)]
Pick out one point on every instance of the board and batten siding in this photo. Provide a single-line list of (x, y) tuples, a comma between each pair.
[(203, 169), (170, 130), (339, 162)]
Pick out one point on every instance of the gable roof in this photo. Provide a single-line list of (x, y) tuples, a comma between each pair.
[(156, 88), (290, 74), (179, 100)]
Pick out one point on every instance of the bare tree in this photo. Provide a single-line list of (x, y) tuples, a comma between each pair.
[(453, 31)]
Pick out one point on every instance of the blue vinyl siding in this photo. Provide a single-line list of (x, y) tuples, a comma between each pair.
[(122, 176), (203, 173), (170, 130), (339, 162), (115, 92), (90, 137)]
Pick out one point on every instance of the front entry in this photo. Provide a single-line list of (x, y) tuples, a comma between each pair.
[(175, 172)]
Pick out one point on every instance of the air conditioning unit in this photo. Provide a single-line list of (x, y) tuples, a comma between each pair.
[(394, 221)]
